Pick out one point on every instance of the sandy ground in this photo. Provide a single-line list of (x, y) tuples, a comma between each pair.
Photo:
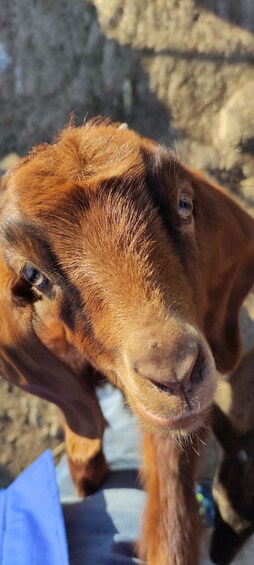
[(28, 426)]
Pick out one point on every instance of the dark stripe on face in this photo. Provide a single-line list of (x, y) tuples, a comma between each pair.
[(159, 171), (72, 312), (32, 242)]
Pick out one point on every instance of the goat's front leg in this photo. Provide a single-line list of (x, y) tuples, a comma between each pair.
[(171, 528), (86, 460)]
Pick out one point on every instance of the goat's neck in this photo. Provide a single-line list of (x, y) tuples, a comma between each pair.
[(171, 521)]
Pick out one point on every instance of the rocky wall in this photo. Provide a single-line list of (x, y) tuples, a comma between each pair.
[(178, 70)]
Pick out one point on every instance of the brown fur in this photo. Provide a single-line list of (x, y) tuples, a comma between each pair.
[(173, 533), (135, 294)]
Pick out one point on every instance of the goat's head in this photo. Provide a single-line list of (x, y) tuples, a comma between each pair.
[(137, 253)]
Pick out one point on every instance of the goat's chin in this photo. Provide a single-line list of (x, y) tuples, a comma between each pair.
[(181, 426)]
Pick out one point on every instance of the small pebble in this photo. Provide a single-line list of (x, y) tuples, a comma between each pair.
[(55, 430), (9, 161), (4, 459), (11, 437)]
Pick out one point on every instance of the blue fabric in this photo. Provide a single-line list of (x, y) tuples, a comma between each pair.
[(103, 529), (31, 520)]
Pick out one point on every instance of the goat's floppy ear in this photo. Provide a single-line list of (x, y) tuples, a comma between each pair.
[(27, 363), (225, 238)]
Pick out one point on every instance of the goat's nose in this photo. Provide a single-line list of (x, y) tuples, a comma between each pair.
[(172, 368)]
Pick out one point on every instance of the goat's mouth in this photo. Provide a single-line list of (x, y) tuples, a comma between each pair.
[(174, 410), (180, 410), (186, 422)]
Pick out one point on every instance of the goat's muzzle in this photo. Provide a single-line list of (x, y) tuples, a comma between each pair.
[(171, 375)]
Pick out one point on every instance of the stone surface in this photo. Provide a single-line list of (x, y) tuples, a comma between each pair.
[(176, 70)]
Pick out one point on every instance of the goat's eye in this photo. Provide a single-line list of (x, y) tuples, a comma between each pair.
[(242, 456), (34, 277), (185, 207)]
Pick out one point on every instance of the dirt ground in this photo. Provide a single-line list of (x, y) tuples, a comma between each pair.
[(28, 426)]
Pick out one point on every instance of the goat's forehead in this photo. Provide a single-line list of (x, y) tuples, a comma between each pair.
[(79, 223), (85, 162), (104, 178), (108, 230)]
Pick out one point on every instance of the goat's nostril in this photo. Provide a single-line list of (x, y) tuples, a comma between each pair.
[(199, 370), (190, 374)]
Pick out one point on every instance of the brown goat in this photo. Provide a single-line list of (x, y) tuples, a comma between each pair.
[(117, 259), (233, 489)]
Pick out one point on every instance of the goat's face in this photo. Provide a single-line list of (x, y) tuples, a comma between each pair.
[(107, 227)]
